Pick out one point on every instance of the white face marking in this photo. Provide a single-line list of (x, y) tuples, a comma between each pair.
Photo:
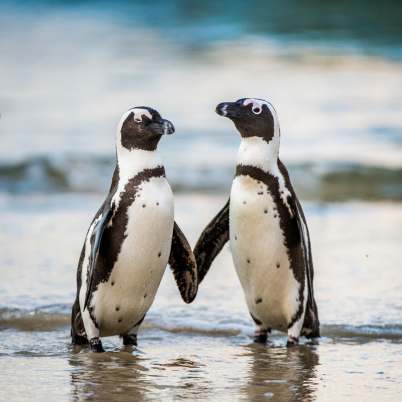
[(138, 113), (258, 104)]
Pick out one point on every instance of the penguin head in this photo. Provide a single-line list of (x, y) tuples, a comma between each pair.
[(142, 127), (252, 117)]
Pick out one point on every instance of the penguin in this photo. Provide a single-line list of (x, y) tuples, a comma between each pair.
[(267, 229), (131, 239)]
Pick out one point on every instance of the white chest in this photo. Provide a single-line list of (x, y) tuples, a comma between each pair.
[(259, 253), (121, 302)]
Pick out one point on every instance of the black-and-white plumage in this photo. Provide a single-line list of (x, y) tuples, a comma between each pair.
[(131, 239), (267, 229)]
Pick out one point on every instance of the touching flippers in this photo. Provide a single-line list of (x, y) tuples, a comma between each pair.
[(183, 265)]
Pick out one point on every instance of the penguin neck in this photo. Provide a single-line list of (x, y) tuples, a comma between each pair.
[(134, 161), (257, 152)]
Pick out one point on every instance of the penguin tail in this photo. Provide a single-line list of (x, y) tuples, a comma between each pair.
[(311, 325), (78, 335)]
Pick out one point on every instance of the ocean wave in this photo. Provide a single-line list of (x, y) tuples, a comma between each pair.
[(48, 318), (91, 174), (33, 320)]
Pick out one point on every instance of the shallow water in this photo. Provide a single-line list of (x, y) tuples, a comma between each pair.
[(203, 351)]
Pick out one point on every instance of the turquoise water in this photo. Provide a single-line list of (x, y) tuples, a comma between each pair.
[(68, 71)]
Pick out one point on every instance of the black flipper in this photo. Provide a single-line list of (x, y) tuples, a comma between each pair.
[(183, 265), (211, 241), (311, 325), (96, 239)]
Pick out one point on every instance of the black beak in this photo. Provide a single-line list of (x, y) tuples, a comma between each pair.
[(168, 127), (228, 109), (162, 127)]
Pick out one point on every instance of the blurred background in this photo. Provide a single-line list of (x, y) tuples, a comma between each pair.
[(333, 70)]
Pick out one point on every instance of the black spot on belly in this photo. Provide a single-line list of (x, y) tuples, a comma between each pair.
[(258, 300), (275, 215), (244, 202), (145, 296), (265, 211), (278, 265), (159, 254), (260, 193), (120, 319), (143, 205), (287, 218), (235, 237), (157, 203), (248, 261), (117, 308), (112, 283)]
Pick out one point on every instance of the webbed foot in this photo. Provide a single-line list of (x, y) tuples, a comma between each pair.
[(79, 340), (292, 341), (260, 335), (96, 345), (130, 340)]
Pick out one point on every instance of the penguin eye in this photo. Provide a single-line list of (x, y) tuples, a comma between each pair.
[(256, 109)]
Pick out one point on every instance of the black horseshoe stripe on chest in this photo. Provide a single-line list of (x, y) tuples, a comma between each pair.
[(294, 243), (113, 236)]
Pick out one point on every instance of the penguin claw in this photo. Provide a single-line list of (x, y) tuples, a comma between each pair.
[(79, 340), (313, 342), (130, 340), (96, 345), (260, 336), (292, 341)]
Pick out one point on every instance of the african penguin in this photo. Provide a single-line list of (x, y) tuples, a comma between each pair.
[(131, 239), (268, 233)]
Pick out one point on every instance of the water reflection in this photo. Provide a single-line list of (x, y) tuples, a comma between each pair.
[(125, 375), (251, 372), (281, 374), (107, 376)]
